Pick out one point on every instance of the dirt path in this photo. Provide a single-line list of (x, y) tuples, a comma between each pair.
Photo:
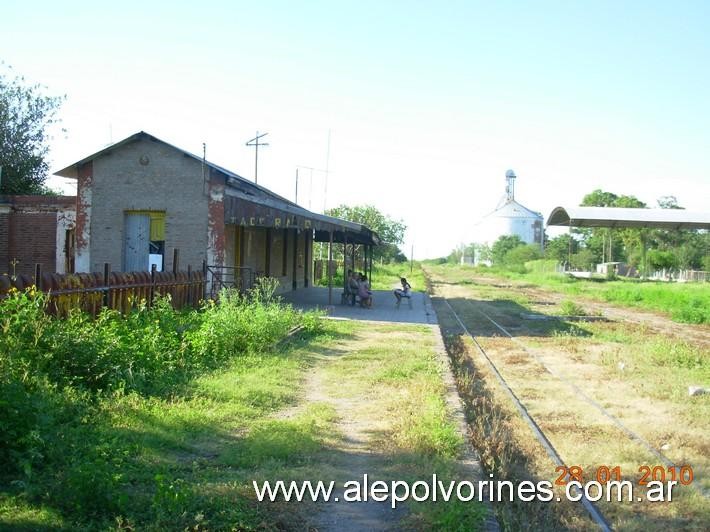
[(395, 417), (356, 456)]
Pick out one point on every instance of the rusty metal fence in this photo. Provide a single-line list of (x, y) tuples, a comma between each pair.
[(120, 291)]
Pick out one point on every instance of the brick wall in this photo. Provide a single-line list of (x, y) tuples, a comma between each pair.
[(28, 232), (32, 239), (4, 242)]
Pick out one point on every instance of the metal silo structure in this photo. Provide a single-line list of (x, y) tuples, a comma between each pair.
[(509, 218)]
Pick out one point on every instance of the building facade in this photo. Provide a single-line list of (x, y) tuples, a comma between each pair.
[(142, 198)]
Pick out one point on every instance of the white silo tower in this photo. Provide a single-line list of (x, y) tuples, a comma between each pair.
[(509, 218)]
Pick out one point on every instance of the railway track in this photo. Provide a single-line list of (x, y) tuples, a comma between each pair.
[(593, 510)]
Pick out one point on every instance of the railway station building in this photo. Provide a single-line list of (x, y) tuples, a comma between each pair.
[(141, 198)]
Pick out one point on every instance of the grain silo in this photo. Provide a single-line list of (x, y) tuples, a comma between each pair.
[(509, 218)]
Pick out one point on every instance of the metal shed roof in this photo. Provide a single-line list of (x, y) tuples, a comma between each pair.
[(621, 217)]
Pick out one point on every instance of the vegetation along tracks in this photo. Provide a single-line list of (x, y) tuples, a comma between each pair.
[(593, 511), (488, 332)]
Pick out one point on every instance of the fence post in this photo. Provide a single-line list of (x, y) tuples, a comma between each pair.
[(107, 285), (176, 259), (204, 280), (152, 285), (189, 285), (38, 276)]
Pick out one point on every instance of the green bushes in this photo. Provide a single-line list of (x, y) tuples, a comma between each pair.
[(53, 372)]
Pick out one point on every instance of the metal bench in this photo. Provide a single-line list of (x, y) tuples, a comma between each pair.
[(408, 297)]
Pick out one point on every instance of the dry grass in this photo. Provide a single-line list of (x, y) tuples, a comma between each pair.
[(611, 362)]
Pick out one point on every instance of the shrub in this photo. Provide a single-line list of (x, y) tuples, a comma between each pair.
[(52, 370)]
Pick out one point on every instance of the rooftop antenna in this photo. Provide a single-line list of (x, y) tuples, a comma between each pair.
[(327, 171), (310, 190), (255, 142), (510, 185)]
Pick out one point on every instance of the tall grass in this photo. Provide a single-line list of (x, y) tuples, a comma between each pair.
[(683, 302), (65, 382)]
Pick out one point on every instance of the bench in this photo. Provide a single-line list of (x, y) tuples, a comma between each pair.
[(408, 297), (348, 298)]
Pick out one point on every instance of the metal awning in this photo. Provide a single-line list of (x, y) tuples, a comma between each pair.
[(253, 211), (623, 217)]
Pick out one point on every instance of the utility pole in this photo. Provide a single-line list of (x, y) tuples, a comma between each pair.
[(296, 198), (255, 142)]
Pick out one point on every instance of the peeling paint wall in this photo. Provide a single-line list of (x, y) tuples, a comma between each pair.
[(83, 218), (66, 221), (216, 240)]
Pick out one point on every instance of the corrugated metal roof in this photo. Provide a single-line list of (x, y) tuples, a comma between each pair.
[(621, 217)]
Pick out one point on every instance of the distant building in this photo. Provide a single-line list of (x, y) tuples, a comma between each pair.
[(509, 218)]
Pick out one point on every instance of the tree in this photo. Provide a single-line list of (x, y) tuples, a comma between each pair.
[(502, 246), (519, 255), (668, 202), (558, 248), (603, 243), (25, 115), (390, 231)]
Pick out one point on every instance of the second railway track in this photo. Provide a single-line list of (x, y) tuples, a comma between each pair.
[(544, 439)]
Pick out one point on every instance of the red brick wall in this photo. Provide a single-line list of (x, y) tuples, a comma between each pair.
[(4, 243), (28, 232), (33, 239)]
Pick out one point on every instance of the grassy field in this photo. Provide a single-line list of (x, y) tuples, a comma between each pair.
[(164, 419), (683, 302), (639, 374)]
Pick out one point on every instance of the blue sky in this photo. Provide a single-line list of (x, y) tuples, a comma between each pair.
[(427, 105)]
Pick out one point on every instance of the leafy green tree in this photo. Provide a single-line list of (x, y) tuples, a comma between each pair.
[(390, 231), (583, 260), (558, 248), (502, 246), (662, 260), (608, 244), (519, 255), (25, 115)]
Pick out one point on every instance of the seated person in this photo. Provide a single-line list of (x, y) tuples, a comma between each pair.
[(364, 292), (405, 291), (351, 286)]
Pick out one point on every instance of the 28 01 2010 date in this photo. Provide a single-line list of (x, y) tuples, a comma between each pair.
[(683, 474)]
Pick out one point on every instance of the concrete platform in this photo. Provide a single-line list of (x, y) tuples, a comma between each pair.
[(384, 307)]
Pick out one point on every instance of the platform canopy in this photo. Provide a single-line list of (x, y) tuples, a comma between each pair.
[(621, 217)]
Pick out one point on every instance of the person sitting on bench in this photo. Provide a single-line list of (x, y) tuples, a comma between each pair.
[(351, 288), (364, 292), (405, 291)]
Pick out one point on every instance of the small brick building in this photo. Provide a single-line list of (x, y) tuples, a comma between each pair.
[(37, 230), (141, 198)]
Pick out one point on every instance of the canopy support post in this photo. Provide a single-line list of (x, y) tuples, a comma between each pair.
[(330, 268)]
